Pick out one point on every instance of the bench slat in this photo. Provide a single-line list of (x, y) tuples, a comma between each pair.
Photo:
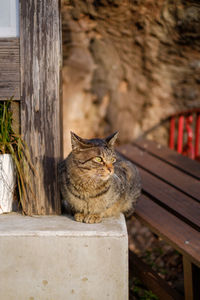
[(185, 183), (172, 157), (177, 233), (177, 202)]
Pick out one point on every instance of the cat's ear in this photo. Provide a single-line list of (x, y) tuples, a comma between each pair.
[(110, 140), (77, 142)]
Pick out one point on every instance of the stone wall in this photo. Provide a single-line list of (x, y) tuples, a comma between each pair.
[(128, 64)]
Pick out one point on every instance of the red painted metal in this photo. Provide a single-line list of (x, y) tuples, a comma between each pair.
[(180, 134), (192, 146), (172, 133), (197, 135), (188, 148)]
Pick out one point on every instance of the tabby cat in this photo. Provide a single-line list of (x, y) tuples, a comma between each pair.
[(96, 182)]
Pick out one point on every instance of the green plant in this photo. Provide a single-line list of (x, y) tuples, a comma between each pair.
[(12, 143), (140, 292)]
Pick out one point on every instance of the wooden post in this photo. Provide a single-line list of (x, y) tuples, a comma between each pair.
[(191, 280), (188, 283), (40, 55)]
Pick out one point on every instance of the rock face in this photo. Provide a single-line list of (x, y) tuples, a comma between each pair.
[(127, 65)]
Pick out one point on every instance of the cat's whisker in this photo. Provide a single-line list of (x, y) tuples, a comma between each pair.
[(115, 175)]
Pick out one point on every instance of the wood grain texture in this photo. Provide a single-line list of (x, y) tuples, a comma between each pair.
[(171, 199), (168, 173), (15, 107), (178, 234), (172, 157), (9, 68), (40, 53)]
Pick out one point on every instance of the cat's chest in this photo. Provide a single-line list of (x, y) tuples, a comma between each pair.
[(93, 202), (100, 202)]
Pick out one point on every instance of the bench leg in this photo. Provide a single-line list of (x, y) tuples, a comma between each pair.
[(188, 283), (191, 280)]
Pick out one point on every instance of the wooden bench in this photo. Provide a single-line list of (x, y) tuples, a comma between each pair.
[(170, 204)]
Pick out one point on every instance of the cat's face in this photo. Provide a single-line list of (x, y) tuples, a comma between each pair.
[(96, 157)]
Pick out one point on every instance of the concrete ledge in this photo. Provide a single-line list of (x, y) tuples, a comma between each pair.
[(56, 258)]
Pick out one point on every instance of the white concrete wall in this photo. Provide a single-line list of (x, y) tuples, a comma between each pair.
[(56, 258)]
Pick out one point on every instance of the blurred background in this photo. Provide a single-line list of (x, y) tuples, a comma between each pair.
[(127, 65)]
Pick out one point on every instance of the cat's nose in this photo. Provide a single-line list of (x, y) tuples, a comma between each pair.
[(110, 168)]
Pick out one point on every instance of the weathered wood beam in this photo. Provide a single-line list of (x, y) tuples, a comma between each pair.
[(40, 54), (9, 68)]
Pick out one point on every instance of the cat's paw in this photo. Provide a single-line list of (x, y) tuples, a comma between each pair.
[(79, 217), (93, 219)]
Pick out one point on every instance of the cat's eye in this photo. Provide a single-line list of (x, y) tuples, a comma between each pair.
[(113, 160), (98, 159)]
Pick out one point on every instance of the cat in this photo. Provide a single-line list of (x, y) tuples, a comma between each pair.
[(96, 182)]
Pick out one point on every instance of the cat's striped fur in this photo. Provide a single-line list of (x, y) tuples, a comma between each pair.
[(96, 182)]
